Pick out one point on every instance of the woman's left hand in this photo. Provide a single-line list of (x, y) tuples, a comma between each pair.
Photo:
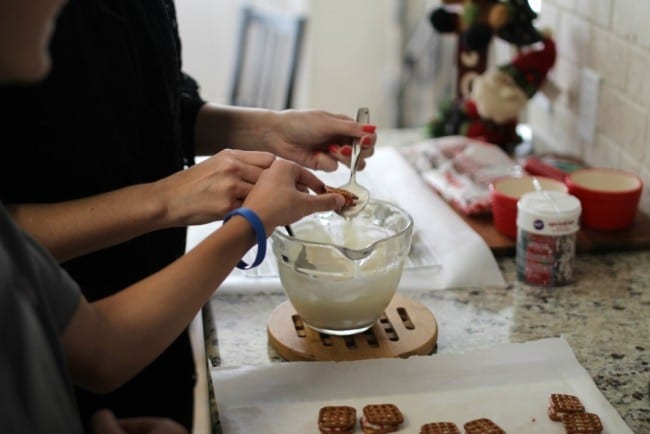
[(318, 139)]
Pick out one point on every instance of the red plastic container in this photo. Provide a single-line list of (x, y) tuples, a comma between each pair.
[(536, 166), (609, 197), (506, 191)]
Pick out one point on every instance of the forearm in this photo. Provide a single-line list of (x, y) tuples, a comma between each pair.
[(74, 228), (129, 329), (218, 127)]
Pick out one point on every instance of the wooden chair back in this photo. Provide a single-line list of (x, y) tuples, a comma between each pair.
[(267, 58)]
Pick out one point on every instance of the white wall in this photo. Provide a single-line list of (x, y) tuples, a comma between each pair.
[(349, 51), (208, 29), (348, 57)]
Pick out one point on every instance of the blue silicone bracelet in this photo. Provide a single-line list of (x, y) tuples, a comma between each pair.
[(260, 234)]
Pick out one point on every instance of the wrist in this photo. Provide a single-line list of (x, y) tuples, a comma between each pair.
[(258, 230), (161, 197)]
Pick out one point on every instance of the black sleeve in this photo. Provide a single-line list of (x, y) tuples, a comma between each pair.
[(190, 99), (191, 103)]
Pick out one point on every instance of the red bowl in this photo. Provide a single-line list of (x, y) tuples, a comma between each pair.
[(506, 191), (609, 197)]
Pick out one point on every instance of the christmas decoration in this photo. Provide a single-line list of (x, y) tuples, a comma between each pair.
[(497, 98), (479, 20), (476, 22)]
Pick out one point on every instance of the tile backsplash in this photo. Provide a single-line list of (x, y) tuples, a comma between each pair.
[(611, 38)]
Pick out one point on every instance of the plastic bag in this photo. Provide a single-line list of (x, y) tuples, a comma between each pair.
[(460, 169)]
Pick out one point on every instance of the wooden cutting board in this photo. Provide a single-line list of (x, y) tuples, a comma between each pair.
[(636, 237)]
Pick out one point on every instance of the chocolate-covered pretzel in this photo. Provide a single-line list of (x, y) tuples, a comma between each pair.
[(339, 419), (439, 428), (482, 426), (561, 404), (381, 418), (582, 423)]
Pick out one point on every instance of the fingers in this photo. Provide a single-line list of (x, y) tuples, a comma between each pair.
[(344, 155), (306, 178), (246, 165), (365, 133), (321, 201), (339, 116), (237, 171), (282, 195), (347, 130), (326, 202), (104, 422), (323, 161), (151, 425), (207, 191), (317, 139), (255, 158), (343, 129), (366, 140)]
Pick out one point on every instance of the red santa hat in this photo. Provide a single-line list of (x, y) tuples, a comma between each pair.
[(530, 67)]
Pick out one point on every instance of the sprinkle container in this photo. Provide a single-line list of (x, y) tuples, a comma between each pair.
[(547, 224)]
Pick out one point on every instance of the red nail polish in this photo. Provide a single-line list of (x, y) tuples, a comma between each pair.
[(333, 149), (368, 128), (365, 140), (346, 151)]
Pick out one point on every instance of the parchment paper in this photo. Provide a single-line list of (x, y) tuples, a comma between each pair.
[(463, 258), (509, 384)]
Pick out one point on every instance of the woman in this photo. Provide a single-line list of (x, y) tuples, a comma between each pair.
[(51, 335), (110, 131)]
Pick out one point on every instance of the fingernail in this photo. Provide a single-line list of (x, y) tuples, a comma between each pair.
[(333, 149), (365, 140), (367, 128), (346, 151)]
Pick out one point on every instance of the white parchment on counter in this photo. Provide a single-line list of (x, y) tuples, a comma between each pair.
[(509, 384)]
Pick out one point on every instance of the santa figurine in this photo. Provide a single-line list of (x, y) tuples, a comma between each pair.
[(497, 98)]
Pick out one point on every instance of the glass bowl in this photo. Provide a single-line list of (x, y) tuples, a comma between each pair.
[(341, 274)]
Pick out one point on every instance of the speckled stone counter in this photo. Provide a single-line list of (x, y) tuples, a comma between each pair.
[(604, 316)]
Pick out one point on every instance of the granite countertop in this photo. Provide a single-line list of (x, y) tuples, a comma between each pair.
[(604, 316)]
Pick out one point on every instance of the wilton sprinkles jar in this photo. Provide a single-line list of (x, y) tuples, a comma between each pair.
[(547, 223)]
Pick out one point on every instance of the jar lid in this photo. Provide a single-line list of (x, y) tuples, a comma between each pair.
[(548, 212)]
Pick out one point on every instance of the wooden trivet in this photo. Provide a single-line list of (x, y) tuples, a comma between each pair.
[(406, 328)]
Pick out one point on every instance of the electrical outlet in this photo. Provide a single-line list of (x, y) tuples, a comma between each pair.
[(588, 108)]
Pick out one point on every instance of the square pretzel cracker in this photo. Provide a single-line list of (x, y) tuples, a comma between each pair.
[(561, 404), (339, 419), (350, 198), (582, 423), (439, 428), (381, 418), (482, 426)]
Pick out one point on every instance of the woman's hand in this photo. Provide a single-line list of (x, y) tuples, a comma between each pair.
[(281, 195), (317, 139), (104, 422), (207, 191)]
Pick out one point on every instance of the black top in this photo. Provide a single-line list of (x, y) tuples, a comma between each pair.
[(116, 110)]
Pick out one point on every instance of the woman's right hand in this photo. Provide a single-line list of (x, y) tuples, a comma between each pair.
[(281, 195), (209, 190)]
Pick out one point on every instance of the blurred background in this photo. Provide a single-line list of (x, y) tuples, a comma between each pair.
[(385, 54), (352, 51)]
